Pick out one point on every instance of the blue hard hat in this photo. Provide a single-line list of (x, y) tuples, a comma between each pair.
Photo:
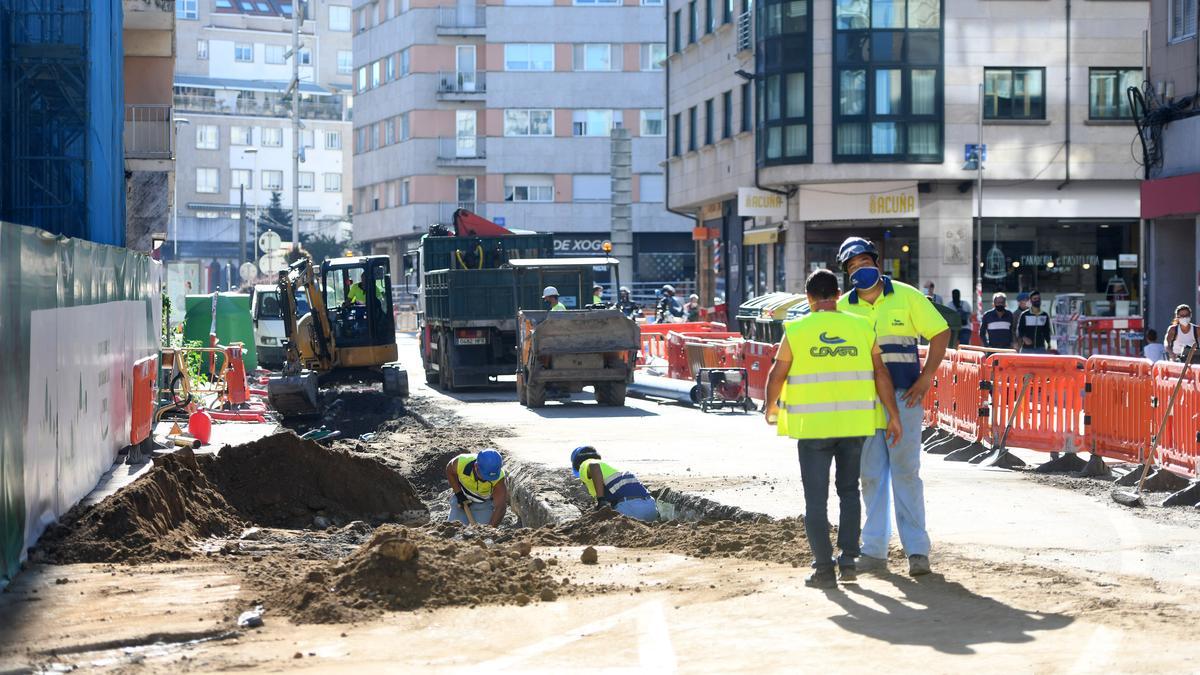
[(1022, 296), (854, 246), (488, 464), (581, 454)]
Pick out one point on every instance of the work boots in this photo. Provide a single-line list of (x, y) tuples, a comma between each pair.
[(823, 577)]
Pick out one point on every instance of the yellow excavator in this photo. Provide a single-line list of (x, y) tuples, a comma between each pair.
[(348, 335)]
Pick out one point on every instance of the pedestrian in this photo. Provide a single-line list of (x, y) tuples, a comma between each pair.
[(930, 293), (550, 297), (691, 308), (953, 321), (477, 484), (1181, 335), (669, 310), (1154, 350), (900, 315), (1033, 327), (824, 390), (964, 313), (627, 306), (620, 490), (996, 329)]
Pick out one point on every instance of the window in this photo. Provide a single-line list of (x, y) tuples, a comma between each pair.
[(244, 52), (202, 50), (693, 22), (273, 54), (652, 187), (726, 11), (272, 137), (676, 35), (710, 19), (242, 178), (360, 140), (389, 132), (652, 122), (241, 135), (653, 55), (207, 214), (597, 57), (333, 182), (528, 188), (727, 114), (692, 129), (1014, 94), (591, 187), (709, 122), (345, 61), (339, 17), (676, 135), (1106, 92), (362, 80), (389, 69), (305, 180), (206, 137), (404, 135), (208, 181), (529, 57), (308, 138), (404, 192), (747, 114), (404, 62), (592, 122), (1181, 19), (531, 122), (655, 3), (376, 71), (783, 61), (333, 140), (186, 9), (391, 9), (597, 2), (305, 56), (272, 180)]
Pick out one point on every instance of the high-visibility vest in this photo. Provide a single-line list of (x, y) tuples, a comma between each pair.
[(830, 391), (476, 489), (558, 307), (618, 485)]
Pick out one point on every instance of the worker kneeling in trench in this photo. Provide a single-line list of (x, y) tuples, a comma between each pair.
[(619, 489), (480, 493)]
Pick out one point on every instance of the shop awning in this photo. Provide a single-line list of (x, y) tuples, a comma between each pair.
[(762, 235)]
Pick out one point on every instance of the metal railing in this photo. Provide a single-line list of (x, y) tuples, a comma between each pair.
[(148, 131), (745, 31), (462, 17), (461, 147), (647, 293), (268, 108), (451, 82)]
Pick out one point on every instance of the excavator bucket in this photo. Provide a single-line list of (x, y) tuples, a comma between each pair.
[(293, 395)]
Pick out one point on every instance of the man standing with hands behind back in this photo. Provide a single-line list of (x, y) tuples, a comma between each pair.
[(900, 314)]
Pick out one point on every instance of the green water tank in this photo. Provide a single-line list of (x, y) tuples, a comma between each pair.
[(228, 314)]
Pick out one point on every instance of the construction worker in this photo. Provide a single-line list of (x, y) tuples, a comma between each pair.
[(900, 314), (996, 329), (691, 308), (834, 376), (597, 294), (477, 484), (627, 306), (619, 489), (550, 296)]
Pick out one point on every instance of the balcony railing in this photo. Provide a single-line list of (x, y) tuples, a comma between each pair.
[(308, 109), (745, 31), (148, 131), (471, 82), (461, 148), (452, 18)]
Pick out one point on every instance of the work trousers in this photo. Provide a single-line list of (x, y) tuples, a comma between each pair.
[(482, 512), (893, 474), (815, 457), (642, 508)]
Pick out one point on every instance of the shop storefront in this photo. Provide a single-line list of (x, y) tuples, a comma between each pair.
[(898, 243)]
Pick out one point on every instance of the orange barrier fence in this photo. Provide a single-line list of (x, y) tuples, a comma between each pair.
[(1111, 337), (679, 364), (1050, 417), (145, 372), (757, 357), (1116, 407), (1179, 443), (235, 376), (654, 348), (968, 413)]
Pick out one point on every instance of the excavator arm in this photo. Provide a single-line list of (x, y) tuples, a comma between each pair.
[(295, 391)]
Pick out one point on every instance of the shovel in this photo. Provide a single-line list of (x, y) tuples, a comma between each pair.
[(470, 516), (1001, 450), (1134, 497)]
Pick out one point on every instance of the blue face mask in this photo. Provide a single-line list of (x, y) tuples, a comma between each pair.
[(865, 277)]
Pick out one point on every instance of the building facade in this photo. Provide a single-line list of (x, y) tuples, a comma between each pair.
[(506, 109), (840, 117)]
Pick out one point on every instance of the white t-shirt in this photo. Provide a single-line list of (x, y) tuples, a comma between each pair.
[(1183, 340)]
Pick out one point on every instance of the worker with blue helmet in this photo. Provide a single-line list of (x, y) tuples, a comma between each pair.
[(620, 490), (479, 491)]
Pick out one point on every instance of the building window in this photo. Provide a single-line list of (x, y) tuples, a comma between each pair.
[(207, 214), (339, 18), (693, 22), (187, 9), (677, 36), (591, 3), (305, 56), (747, 112), (208, 181), (727, 114), (273, 54), (591, 187), (241, 135), (389, 69), (710, 122), (710, 18), (389, 132), (528, 188), (676, 135), (784, 64), (1014, 94), (333, 182), (242, 178), (345, 61), (528, 122), (404, 187), (243, 52), (272, 137), (727, 11), (206, 137), (692, 129), (404, 135), (1181, 17), (362, 80), (655, 3), (592, 122), (652, 122), (376, 73), (202, 50), (654, 54), (1106, 92), (529, 57), (887, 83), (596, 57), (333, 140), (305, 180), (404, 65), (272, 180)]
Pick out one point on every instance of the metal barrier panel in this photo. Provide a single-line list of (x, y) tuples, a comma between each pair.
[(685, 351), (1179, 444), (1050, 418), (757, 357), (1117, 413), (1111, 337)]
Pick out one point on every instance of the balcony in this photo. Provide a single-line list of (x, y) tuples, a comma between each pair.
[(745, 31), (148, 131), (461, 86), (462, 21), (309, 109), (462, 151)]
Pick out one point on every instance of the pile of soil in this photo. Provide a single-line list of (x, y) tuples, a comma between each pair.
[(402, 569), (285, 481), (158, 517)]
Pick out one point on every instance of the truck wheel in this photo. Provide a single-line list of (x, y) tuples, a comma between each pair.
[(446, 375), (432, 377), (610, 393), (535, 394)]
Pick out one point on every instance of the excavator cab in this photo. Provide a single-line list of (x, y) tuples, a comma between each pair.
[(358, 299)]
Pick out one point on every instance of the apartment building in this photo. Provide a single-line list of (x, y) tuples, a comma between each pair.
[(795, 124), (234, 66), (506, 109)]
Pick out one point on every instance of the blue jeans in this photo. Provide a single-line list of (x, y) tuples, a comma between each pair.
[(815, 457), (894, 473), (643, 509), (482, 512)]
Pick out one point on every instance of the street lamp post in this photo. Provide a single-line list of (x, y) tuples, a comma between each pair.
[(177, 122), (979, 216), (255, 180)]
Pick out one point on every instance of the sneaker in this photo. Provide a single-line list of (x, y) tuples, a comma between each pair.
[(918, 565), (822, 578), (869, 565), (848, 574)]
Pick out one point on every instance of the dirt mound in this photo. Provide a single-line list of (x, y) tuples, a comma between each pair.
[(284, 481), (403, 569), (157, 517)]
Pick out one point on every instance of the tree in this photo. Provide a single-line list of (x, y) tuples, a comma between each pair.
[(323, 247), (276, 217)]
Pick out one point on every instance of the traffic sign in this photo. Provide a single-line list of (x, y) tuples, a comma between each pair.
[(248, 271), (273, 262), (269, 241)]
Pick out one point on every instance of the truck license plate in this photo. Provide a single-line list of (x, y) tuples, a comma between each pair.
[(472, 341)]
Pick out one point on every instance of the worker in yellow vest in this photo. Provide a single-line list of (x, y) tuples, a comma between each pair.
[(480, 493), (823, 389), (619, 489)]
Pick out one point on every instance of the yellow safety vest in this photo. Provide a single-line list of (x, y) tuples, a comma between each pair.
[(356, 294), (618, 485), (558, 307), (830, 391), (477, 490)]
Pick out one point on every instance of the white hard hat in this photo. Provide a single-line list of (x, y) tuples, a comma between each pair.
[(668, 287), (549, 291)]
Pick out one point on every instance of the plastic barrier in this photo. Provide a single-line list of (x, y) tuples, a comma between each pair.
[(145, 373), (1117, 413), (1179, 444), (1050, 418), (968, 414), (654, 348), (1111, 337), (931, 397), (757, 357), (235, 375), (693, 327)]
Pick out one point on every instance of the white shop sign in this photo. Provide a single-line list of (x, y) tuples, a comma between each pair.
[(754, 202), (885, 200)]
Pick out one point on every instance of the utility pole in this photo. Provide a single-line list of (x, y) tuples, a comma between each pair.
[(979, 219), (297, 17), (242, 222)]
